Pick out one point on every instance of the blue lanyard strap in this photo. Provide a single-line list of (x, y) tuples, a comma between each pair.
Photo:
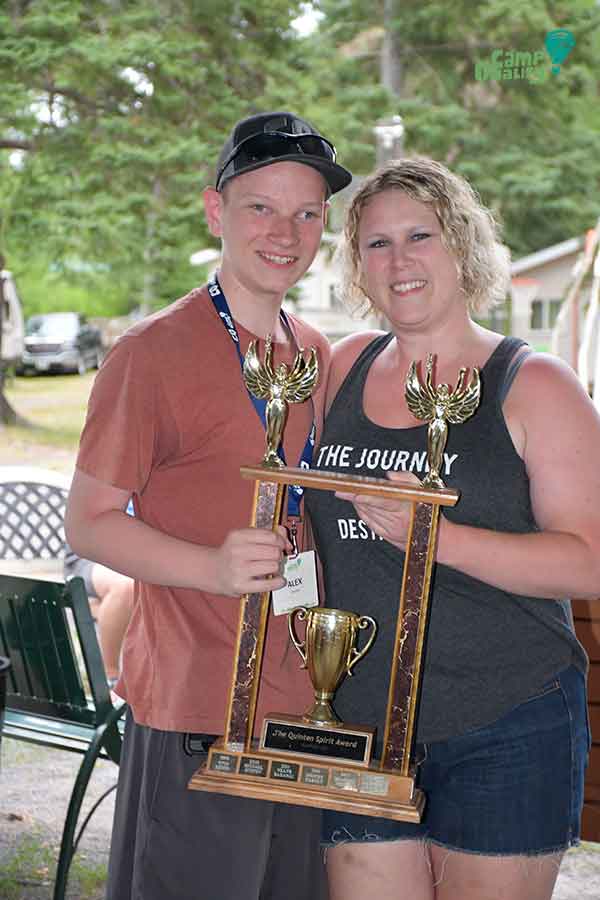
[(295, 491)]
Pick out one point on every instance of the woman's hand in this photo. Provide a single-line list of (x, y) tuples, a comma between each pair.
[(389, 519)]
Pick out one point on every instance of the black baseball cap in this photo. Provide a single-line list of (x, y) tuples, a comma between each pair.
[(274, 137)]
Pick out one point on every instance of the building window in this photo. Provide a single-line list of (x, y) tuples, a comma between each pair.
[(544, 314), (498, 318), (537, 315), (554, 309), (334, 301)]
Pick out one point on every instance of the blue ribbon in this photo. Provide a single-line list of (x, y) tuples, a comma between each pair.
[(295, 491)]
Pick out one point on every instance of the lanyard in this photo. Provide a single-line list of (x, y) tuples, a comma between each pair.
[(295, 491)]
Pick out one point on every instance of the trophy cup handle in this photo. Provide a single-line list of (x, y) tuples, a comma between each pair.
[(362, 623), (302, 613)]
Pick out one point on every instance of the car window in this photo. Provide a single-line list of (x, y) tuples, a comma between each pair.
[(58, 324)]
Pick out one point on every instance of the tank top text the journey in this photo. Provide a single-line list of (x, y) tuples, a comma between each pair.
[(487, 650)]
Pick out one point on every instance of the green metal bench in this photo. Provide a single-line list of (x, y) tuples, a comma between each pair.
[(56, 692)]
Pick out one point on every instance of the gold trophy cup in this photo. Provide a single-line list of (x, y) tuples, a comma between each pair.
[(329, 653)]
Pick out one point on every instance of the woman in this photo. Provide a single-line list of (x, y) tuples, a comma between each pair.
[(502, 737)]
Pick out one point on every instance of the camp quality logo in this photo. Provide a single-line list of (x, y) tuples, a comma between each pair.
[(534, 66)]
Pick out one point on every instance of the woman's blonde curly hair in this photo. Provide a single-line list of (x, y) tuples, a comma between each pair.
[(469, 231)]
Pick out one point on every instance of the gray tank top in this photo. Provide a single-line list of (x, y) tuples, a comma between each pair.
[(487, 650)]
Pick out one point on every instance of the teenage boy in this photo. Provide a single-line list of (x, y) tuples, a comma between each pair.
[(170, 422)]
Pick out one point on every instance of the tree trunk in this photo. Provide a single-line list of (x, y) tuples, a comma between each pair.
[(392, 74), (8, 416), (149, 280)]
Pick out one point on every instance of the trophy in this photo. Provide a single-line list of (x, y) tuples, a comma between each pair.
[(278, 387), (329, 653), (314, 759)]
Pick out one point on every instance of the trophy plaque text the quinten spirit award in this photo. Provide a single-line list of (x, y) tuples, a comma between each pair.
[(315, 760)]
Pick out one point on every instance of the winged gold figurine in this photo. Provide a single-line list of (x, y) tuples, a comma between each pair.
[(278, 387), (438, 406)]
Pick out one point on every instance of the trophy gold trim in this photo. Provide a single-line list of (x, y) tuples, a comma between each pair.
[(438, 406), (278, 386)]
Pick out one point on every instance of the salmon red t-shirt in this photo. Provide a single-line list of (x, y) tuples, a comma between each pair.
[(170, 420)]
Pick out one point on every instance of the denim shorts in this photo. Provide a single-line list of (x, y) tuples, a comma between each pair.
[(514, 787)]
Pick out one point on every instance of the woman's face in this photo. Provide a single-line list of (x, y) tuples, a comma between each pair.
[(407, 272)]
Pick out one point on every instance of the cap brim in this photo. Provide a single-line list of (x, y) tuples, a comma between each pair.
[(336, 176)]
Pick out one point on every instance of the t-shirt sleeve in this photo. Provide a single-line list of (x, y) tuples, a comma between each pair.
[(125, 411)]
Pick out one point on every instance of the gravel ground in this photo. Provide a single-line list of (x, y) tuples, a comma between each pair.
[(35, 785)]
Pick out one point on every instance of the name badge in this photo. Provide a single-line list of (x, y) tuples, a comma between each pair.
[(300, 573)]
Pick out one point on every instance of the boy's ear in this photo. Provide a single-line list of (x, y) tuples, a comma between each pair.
[(213, 204)]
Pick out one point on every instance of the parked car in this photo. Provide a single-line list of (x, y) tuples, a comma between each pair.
[(61, 341)]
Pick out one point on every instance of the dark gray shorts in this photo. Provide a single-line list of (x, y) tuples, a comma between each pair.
[(170, 843)]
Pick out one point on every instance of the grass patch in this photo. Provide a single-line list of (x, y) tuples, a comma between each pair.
[(53, 405), (33, 865), (90, 877), (586, 847)]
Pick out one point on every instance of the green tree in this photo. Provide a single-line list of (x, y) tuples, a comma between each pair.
[(531, 149), (119, 108)]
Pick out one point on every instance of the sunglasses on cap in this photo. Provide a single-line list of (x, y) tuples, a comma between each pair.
[(273, 145)]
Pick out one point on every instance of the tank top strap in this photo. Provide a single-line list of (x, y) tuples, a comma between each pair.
[(494, 373), (521, 350)]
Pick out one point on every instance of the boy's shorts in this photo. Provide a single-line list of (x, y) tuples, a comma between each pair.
[(170, 843)]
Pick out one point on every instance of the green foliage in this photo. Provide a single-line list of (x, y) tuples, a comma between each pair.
[(136, 98), (47, 286), (531, 150), (123, 107)]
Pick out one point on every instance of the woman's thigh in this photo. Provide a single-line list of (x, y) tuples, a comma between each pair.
[(474, 877), (398, 870), (415, 870)]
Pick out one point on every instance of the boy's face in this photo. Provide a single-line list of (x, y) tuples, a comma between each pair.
[(270, 222)]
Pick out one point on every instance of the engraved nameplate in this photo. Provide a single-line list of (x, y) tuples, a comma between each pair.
[(223, 762), (252, 765), (315, 775), (284, 771), (324, 742)]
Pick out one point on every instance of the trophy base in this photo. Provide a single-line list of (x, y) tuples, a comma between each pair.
[(296, 779), (328, 742)]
